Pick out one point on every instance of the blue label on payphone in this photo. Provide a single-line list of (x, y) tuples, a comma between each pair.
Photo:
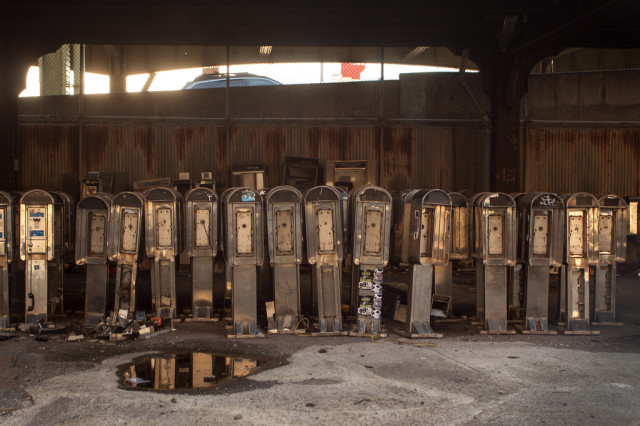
[(36, 214), (248, 196), (36, 233)]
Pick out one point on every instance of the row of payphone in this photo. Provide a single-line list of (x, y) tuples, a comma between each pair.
[(514, 241)]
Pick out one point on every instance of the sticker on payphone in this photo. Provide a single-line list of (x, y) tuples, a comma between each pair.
[(495, 234), (365, 305), (366, 279), (325, 230), (129, 233), (372, 231), (576, 231), (202, 228), (540, 232), (284, 232), (96, 234), (244, 237)]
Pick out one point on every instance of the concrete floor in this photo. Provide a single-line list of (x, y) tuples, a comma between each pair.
[(463, 378)]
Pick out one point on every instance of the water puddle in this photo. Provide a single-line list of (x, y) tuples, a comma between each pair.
[(185, 371)]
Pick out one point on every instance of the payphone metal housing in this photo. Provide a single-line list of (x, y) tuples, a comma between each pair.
[(125, 247), (206, 181), (428, 232), (249, 176), (90, 185), (201, 244), (580, 252), (163, 242), (540, 247), (92, 224), (613, 227), (62, 222), (460, 249), (494, 249), (285, 241), (351, 174), (324, 231), (370, 208), (6, 255), (401, 219), (244, 252), (36, 250), (301, 173)]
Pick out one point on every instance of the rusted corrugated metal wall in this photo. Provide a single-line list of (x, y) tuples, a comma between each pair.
[(594, 160), (428, 157)]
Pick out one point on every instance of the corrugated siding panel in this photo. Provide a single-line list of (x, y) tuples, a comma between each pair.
[(593, 160), (47, 152)]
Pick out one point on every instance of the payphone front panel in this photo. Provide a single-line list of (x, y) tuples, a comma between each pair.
[(581, 230), (92, 219), (495, 229), (284, 225), (613, 226)]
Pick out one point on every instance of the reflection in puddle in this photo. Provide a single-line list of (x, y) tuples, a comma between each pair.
[(184, 371)]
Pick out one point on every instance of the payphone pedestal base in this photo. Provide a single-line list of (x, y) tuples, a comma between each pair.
[(579, 327), (606, 319), (417, 325), (244, 302), (536, 301), (374, 329), (442, 300), (605, 296), (491, 293)]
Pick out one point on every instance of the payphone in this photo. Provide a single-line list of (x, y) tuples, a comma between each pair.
[(459, 249), (201, 244), (163, 242), (6, 255), (351, 174), (285, 239), (92, 221), (370, 208), (580, 252), (401, 218), (324, 229), (124, 246), (243, 251), (428, 245), (206, 181), (249, 176), (63, 246), (301, 173), (494, 250), (540, 247), (183, 184), (613, 227), (36, 250), (90, 185)]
